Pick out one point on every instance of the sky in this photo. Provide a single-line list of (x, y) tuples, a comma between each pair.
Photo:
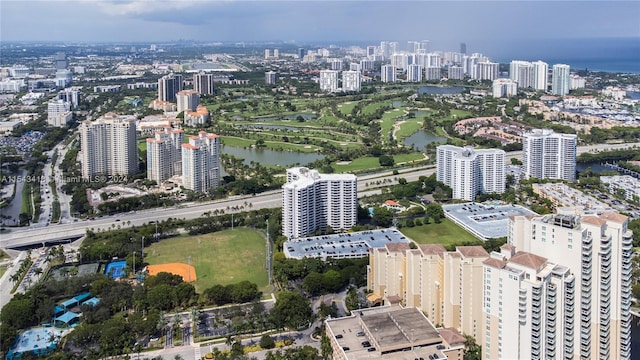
[(444, 23)]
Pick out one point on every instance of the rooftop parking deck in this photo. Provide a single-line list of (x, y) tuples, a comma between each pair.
[(484, 221), (344, 245)]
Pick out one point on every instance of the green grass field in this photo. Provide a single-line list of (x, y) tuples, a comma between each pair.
[(408, 128), (2, 270), (401, 158), (455, 116), (446, 233), (370, 162), (388, 119), (347, 107), (224, 257), (273, 145), (371, 108)]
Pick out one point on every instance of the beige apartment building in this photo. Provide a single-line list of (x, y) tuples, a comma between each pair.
[(446, 286), (597, 249), (109, 146)]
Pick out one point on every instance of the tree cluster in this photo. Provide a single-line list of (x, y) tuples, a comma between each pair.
[(320, 276), (242, 292)]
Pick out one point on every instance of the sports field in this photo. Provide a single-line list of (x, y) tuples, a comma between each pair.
[(224, 257), (446, 233)]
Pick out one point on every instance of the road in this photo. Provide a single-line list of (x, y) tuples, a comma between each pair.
[(270, 199), (6, 285)]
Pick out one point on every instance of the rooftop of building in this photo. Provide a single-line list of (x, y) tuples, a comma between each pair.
[(485, 221), (393, 333), (306, 177), (112, 118), (472, 251), (355, 244), (564, 195), (432, 249), (529, 260)]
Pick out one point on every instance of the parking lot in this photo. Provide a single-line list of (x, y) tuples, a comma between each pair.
[(219, 322), (484, 221), (340, 246)]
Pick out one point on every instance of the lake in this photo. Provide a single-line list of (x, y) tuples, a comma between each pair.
[(271, 157), (421, 138), (306, 116), (10, 214), (595, 166), (270, 127)]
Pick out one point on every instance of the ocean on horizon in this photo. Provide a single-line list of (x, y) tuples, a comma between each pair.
[(598, 54)]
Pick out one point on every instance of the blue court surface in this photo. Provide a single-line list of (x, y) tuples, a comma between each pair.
[(116, 269)]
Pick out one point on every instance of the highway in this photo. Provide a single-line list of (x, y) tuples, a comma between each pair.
[(270, 199)]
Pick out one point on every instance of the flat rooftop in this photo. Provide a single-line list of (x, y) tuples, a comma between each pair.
[(394, 333), (567, 196), (485, 221), (344, 245)]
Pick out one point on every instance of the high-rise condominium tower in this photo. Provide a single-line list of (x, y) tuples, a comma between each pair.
[(387, 74), (61, 61), (201, 162), (560, 79), (329, 80), (504, 88), (270, 77), (109, 146), (312, 201), (203, 84), (549, 155), (470, 171), (529, 306), (540, 75), (164, 155), (169, 86), (579, 307), (351, 81), (522, 73), (446, 286), (487, 70), (414, 73), (187, 100)]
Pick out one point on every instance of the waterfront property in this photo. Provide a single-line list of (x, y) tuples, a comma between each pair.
[(484, 221), (344, 245)]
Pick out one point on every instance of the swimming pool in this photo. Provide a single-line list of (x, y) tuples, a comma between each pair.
[(38, 340)]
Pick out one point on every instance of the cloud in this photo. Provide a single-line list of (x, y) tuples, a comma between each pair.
[(139, 7)]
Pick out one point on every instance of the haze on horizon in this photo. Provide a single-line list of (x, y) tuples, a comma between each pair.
[(489, 24)]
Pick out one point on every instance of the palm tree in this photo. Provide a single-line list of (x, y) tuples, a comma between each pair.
[(229, 340)]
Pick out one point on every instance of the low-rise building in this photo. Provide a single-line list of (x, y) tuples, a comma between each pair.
[(391, 332), (7, 127), (625, 185), (106, 88), (165, 106), (198, 117), (561, 195)]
